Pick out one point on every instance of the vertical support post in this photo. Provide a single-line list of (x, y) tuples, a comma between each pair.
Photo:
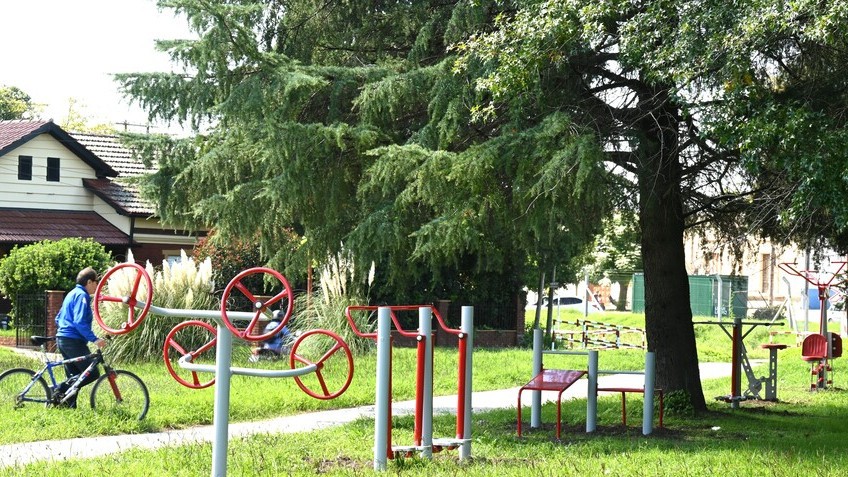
[(221, 413), (736, 365), (771, 380), (592, 392), (650, 385), (718, 297), (467, 327), (381, 408), (425, 331), (536, 396)]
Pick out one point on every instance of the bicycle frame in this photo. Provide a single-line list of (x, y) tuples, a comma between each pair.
[(96, 359)]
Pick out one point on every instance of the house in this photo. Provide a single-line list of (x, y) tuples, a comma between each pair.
[(777, 277), (55, 184)]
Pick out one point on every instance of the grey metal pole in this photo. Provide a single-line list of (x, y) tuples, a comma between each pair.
[(592, 392), (221, 413), (648, 402), (536, 396), (425, 330), (381, 408), (467, 326)]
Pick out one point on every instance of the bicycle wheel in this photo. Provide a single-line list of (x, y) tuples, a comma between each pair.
[(121, 392), (12, 384)]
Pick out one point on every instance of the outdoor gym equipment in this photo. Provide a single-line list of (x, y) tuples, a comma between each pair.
[(423, 440), (229, 324), (561, 380), (819, 352), (740, 363)]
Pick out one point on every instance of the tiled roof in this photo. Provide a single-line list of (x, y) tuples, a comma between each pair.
[(14, 133), (11, 131), (33, 225), (117, 192), (120, 195), (110, 149)]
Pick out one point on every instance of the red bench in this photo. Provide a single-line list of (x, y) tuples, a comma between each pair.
[(623, 390), (551, 380)]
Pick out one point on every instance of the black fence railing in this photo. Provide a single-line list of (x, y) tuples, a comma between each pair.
[(30, 317)]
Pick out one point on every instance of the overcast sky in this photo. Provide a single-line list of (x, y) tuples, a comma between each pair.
[(54, 50)]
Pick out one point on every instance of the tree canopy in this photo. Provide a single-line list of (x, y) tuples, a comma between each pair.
[(14, 103), (458, 143)]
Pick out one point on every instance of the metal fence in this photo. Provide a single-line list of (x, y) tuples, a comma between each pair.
[(30, 317)]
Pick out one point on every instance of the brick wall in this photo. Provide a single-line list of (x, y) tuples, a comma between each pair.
[(53, 305)]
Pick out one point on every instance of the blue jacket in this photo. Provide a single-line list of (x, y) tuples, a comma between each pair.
[(75, 316)]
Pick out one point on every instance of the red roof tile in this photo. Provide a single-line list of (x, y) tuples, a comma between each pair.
[(33, 225)]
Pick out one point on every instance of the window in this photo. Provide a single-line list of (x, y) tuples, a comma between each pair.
[(52, 169), (24, 168)]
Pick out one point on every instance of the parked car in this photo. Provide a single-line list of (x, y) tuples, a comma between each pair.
[(566, 302)]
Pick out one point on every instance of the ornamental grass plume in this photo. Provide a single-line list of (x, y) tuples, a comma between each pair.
[(339, 287), (183, 284)]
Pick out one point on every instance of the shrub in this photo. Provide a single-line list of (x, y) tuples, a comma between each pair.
[(228, 260), (49, 265), (183, 285)]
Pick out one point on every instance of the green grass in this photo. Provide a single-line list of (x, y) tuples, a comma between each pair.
[(803, 434)]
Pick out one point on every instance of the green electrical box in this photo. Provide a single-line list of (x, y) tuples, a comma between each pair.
[(704, 295)]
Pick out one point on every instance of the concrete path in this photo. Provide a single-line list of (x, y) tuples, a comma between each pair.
[(88, 447)]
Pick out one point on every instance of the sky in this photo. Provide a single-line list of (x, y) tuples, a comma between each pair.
[(55, 50)]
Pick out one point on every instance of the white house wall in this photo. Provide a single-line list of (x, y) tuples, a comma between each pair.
[(38, 193)]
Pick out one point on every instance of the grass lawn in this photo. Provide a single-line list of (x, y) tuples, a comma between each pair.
[(803, 434)]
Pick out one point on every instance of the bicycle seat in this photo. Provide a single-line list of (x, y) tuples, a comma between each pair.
[(40, 340)]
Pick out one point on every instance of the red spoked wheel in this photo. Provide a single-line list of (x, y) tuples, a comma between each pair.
[(322, 349), (193, 334), (260, 306), (132, 282)]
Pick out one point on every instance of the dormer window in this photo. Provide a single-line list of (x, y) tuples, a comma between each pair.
[(52, 169), (24, 168)]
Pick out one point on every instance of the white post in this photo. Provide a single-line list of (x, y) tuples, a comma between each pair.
[(221, 412), (425, 330), (467, 326), (536, 396), (720, 286), (650, 384), (592, 392), (381, 408), (587, 297)]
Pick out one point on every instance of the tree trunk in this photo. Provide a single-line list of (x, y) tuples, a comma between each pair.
[(668, 316)]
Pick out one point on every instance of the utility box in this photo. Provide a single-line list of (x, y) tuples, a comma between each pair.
[(704, 295)]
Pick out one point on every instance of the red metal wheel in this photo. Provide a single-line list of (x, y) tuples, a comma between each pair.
[(260, 307), (194, 338), (332, 343), (139, 292)]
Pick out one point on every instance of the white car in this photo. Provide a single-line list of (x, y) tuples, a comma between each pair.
[(567, 303)]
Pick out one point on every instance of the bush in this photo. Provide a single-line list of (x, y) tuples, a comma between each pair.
[(49, 265), (184, 285), (228, 260)]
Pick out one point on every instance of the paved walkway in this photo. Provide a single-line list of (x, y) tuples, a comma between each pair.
[(88, 447)]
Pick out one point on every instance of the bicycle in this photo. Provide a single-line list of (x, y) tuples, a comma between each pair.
[(116, 390)]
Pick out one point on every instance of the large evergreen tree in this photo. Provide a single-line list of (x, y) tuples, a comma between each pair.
[(457, 139), (342, 122)]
